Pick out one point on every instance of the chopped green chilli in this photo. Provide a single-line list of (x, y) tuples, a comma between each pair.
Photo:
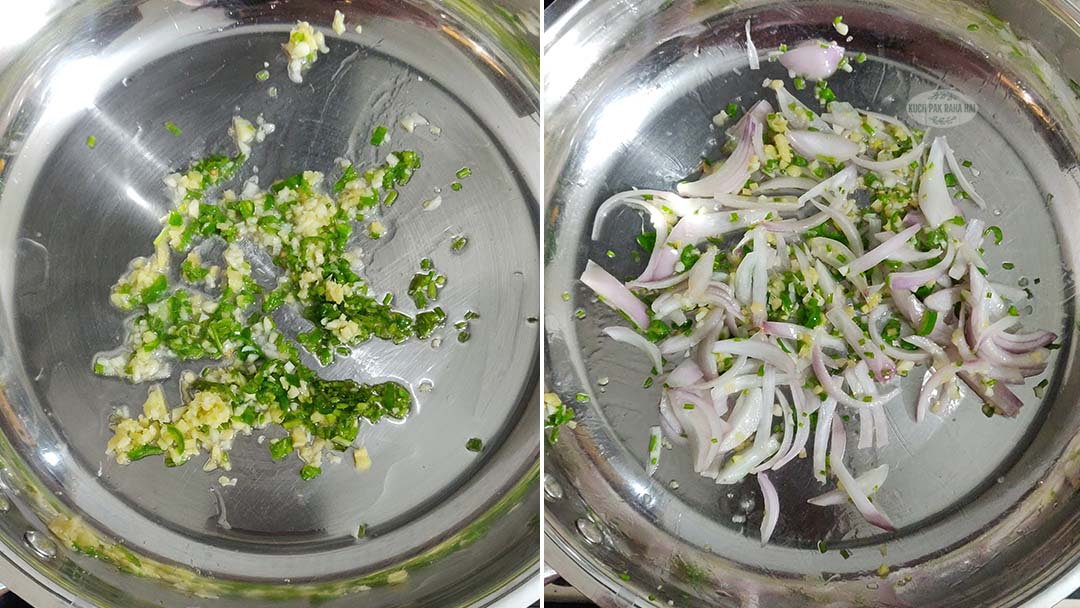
[(378, 135), (216, 311), (172, 128)]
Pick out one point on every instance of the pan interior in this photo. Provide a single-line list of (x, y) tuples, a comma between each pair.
[(646, 124), (73, 217)]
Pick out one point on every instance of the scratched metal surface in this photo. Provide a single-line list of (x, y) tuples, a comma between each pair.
[(464, 525), (986, 508)]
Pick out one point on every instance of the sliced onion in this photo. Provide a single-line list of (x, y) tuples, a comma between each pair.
[(935, 202), (1024, 343), (785, 183), (631, 337), (866, 429), (945, 373), (631, 198), (760, 289), (900, 162), (880, 253), (613, 293), (868, 483), (772, 507), (842, 221), (813, 59), (669, 423), (740, 465), (918, 278), (792, 331), (655, 448), (762, 351), (701, 275), (895, 353), (751, 50), (843, 115), (787, 438), (744, 419), (1003, 400), (768, 400), (961, 179), (702, 425), (829, 383), (881, 427), (821, 437), (843, 182), (802, 426), (823, 145), (862, 503), (693, 229), (731, 176), (796, 113), (704, 356), (876, 359), (796, 226), (684, 374), (943, 300)]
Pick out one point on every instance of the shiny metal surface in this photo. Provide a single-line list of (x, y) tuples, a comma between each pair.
[(987, 509), (463, 526)]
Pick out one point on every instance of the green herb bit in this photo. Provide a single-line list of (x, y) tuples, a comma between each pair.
[(800, 83), (347, 176), (822, 547), (91, 141), (464, 336), (262, 75), (361, 531), (860, 58), (973, 27), (378, 136), (175, 130), (566, 296), (428, 321), (648, 382), (463, 172), (455, 186), (459, 243), (310, 472), (143, 451), (996, 231), (280, 448), (647, 241), (582, 398), (558, 415), (474, 445)]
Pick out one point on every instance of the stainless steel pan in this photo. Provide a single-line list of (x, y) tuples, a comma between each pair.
[(988, 509), (462, 526)]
